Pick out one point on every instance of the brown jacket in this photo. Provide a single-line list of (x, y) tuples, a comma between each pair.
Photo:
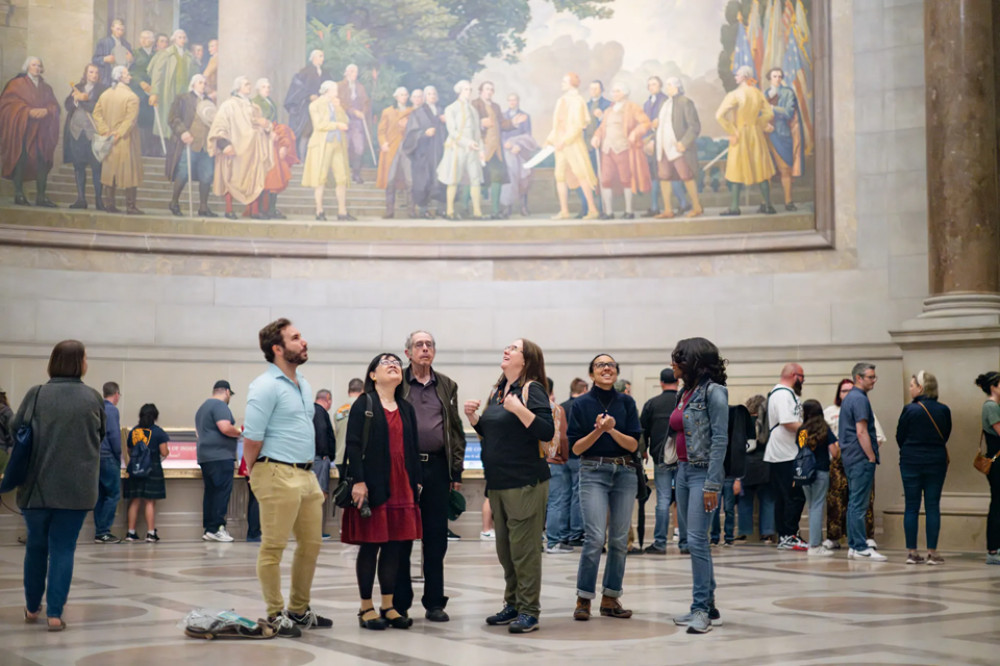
[(454, 435)]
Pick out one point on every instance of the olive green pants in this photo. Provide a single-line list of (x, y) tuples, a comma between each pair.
[(519, 517)]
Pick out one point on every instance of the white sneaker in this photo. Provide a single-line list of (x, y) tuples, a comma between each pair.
[(490, 535), (871, 544), (820, 551), (677, 534), (866, 554), (221, 535), (829, 544)]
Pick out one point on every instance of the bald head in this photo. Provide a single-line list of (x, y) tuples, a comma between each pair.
[(793, 377)]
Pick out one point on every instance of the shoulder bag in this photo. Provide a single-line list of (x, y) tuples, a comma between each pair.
[(981, 462), (16, 472), (342, 493)]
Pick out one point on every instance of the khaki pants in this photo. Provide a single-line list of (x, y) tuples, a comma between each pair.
[(290, 503), (519, 516)]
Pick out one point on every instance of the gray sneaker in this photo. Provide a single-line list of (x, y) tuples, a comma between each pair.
[(713, 616), (559, 549), (992, 558), (700, 624)]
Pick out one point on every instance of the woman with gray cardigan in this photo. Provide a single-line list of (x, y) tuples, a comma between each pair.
[(61, 485)]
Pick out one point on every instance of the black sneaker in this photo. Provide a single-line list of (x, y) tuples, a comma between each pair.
[(653, 549), (107, 538), (523, 624), (132, 536), (576, 543), (310, 619), (284, 625), (452, 536), (152, 537), (506, 616)]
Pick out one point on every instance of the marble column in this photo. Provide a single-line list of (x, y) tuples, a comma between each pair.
[(963, 216), (261, 38)]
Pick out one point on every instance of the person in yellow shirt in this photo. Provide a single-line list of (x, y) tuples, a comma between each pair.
[(573, 168)]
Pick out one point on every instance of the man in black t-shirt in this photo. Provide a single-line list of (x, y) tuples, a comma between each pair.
[(655, 421), (326, 445), (217, 436)]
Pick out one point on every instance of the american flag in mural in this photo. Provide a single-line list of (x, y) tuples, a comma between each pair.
[(742, 55), (797, 66)]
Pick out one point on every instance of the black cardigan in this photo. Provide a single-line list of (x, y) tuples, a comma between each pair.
[(374, 471)]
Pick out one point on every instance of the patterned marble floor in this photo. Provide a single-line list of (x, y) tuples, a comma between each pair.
[(777, 608)]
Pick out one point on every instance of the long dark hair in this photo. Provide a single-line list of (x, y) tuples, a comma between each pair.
[(370, 383), (836, 396), (698, 360), (83, 78), (148, 414), (813, 423)]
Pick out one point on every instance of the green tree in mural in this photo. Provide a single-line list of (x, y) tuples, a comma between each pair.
[(423, 42)]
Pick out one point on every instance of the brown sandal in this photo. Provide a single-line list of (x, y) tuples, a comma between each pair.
[(30, 618), (612, 607), (57, 627)]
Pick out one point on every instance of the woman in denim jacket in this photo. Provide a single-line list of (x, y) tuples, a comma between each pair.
[(701, 421)]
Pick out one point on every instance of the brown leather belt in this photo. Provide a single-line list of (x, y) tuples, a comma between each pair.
[(621, 460)]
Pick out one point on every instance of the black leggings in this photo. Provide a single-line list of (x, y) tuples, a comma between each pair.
[(993, 517), (387, 565)]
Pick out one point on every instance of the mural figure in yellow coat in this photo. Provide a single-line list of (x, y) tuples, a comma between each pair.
[(745, 115)]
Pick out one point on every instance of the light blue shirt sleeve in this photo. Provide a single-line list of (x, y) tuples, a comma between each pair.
[(261, 399)]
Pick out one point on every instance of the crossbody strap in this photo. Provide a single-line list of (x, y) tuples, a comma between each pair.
[(933, 422)]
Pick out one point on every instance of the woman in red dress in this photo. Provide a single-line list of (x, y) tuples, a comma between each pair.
[(386, 471)]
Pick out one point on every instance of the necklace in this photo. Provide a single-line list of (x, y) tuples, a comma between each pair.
[(614, 394)]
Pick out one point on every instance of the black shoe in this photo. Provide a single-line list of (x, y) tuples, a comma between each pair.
[(376, 624), (310, 619), (399, 622), (506, 616), (634, 551), (523, 624), (206, 213), (321, 217), (284, 626), (45, 202), (576, 543), (628, 216), (231, 216), (436, 615), (653, 549), (452, 536), (152, 537), (766, 209), (107, 538), (730, 211), (79, 204), (684, 551), (21, 200), (714, 542), (131, 537), (791, 206), (175, 209)]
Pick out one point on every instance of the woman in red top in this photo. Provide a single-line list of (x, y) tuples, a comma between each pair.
[(386, 471)]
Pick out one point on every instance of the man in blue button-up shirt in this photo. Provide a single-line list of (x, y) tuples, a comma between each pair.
[(279, 447), (109, 490)]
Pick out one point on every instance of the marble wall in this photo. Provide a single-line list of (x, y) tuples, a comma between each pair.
[(167, 326)]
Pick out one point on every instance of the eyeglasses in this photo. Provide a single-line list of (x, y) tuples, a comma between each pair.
[(423, 344), (390, 363), (511, 348), (601, 365)]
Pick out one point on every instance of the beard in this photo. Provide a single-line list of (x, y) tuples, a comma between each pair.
[(296, 359), (797, 387)]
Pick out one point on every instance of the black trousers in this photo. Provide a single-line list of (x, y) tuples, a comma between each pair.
[(434, 516), (993, 517), (788, 499)]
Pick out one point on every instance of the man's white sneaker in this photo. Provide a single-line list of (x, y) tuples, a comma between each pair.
[(221, 535), (866, 554), (820, 551), (871, 544), (490, 535), (830, 545)]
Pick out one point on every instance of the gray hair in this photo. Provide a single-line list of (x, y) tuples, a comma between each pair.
[(312, 54), (195, 79), (350, 67), (116, 73), (861, 368), (238, 83), (326, 86), (430, 89), (28, 61), (746, 71), (264, 81), (176, 33), (400, 91), (324, 394), (676, 83), (621, 85), (409, 338), (464, 83)]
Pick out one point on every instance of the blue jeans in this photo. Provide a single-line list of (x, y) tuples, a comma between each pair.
[(926, 480), (109, 491), (218, 479), (51, 543), (690, 503), (575, 515), (558, 509), (765, 509), (663, 477), (729, 506), (605, 489), (860, 477), (815, 494)]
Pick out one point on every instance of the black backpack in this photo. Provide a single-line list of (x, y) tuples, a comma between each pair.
[(741, 428), (764, 427), (804, 467), (140, 459)]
